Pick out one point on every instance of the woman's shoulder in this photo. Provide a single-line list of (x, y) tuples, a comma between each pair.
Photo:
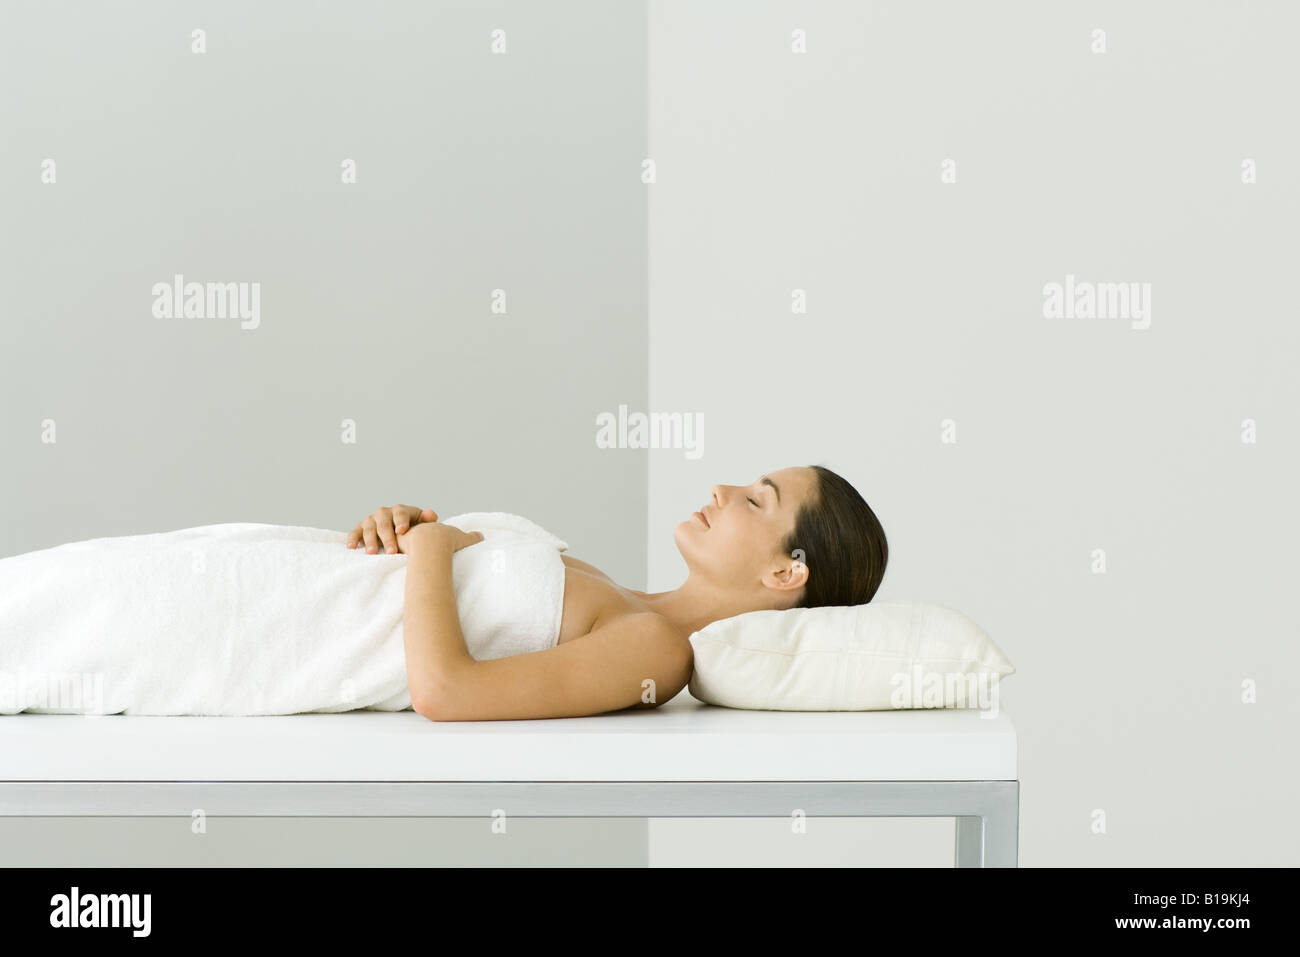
[(590, 569), (594, 600)]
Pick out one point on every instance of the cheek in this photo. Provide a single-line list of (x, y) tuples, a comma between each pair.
[(742, 531), (727, 549), (733, 547)]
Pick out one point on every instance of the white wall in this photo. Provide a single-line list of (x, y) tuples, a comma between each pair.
[(821, 172)]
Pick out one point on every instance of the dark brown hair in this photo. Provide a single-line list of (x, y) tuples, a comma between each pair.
[(843, 544)]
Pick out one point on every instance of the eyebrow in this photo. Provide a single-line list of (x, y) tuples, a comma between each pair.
[(767, 481)]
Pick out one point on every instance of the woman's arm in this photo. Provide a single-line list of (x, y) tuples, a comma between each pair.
[(435, 645), (636, 659)]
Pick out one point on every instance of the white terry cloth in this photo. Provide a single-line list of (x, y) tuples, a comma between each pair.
[(253, 619)]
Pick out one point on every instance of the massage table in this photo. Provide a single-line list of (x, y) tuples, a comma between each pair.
[(684, 759)]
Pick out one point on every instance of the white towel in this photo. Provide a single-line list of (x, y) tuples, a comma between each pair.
[(252, 619)]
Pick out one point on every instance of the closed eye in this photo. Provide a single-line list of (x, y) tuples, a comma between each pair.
[(753, 503)]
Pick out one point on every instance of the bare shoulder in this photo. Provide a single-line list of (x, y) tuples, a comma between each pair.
[(638, 621), (617, 638), (666, 654), (590, 569)]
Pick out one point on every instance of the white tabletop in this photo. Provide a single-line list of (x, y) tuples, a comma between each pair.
[(683, 740)]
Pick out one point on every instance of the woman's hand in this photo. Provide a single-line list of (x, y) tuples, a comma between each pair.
[(385, 524), (435, 535)]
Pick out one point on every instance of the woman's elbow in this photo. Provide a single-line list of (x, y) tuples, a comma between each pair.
[(420, 707), (435, 712), (431, 703), (444, 695)]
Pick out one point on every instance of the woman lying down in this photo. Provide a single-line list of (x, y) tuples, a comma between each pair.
[(480, 617)]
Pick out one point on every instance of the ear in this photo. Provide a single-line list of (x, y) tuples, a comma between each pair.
[(788, 576)]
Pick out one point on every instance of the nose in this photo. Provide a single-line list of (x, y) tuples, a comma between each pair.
[(717, 494)]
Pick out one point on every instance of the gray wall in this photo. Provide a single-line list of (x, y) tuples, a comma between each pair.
[(322, 842), (822, 172), (475, 172)]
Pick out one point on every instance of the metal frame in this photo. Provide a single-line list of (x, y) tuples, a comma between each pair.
[(987, 812)]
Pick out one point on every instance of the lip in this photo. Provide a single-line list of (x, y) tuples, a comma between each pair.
[(703, 518)]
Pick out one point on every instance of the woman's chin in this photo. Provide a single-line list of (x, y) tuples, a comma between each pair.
[(685, 532)]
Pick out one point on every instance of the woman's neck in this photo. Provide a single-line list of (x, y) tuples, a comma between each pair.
[(693, 605)]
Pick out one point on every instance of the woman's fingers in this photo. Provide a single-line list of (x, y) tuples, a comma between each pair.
[(373, 533), (381, 528), (384, 528), (403, 515)]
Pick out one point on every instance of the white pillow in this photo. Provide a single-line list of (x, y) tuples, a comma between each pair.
[(874, 657)]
